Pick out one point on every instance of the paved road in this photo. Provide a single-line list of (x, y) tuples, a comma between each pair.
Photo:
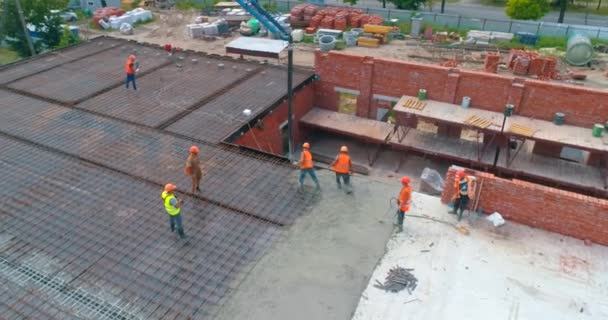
[(488, 12)]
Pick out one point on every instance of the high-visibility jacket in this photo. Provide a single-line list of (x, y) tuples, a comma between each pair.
[(171, 210), (130, 66), (342, 163), (404, 198), (462, 187), (306, 160)]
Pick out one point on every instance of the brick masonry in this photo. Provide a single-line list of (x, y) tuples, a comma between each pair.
[(268, 138), (538, 206), (532, 98)]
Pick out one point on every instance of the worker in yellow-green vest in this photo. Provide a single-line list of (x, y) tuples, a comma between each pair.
[(173, 207)]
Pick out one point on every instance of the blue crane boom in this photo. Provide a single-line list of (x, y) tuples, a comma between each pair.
[(265, 18)]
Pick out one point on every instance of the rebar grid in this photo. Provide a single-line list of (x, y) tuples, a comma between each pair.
[(219, 118), (123, 247), (167, 92), (85, 77), (28, 67), (259, 188)]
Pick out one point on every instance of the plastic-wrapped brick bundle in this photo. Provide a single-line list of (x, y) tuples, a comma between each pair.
[(310, 10), (327, 23), (340, 23), (364, 19), (375, 20), (355, 21), (315, 21), (356, 11)]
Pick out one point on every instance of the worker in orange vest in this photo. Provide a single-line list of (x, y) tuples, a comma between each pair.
[(193, 168), (131, 66), (173, 206), (405, 198), (306, 166), (464, 186), (343, 168)]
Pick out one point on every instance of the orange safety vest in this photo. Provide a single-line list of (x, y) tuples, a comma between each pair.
[(129, 66), (404, 198), (457, 185), (306, 160), (342, 163)]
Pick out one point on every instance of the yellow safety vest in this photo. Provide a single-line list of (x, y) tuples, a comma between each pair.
[(171, 210)]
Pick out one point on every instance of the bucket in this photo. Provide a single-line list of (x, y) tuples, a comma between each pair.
[(422, 94), (327, 43), (606, 125), (509, 110), (559, 118), (357, 31), (466, 102), (598, 130)]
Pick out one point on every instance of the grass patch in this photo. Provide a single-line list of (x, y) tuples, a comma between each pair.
[(559, 43), (8, 56), (404, 27), (188, 5)]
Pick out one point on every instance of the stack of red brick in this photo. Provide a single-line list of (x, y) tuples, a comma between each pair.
[(341, 18), (492, 61), (302, 13), (524, 62), (106, 13)]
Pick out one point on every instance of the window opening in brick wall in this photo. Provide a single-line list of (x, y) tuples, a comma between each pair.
[(347, 103)]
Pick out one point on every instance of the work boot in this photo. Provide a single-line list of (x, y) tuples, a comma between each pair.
[(181, 233), (399, 228), (460, 215), (339, 186), (172, 228)]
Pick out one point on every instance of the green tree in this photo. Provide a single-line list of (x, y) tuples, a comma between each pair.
[(67, 38), (527, 9), (36, 13), (407, 4)]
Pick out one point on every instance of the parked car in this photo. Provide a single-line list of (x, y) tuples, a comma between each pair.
[(67, 16)]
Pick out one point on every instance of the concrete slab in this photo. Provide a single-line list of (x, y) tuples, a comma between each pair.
[(319, 268), (514, 272)]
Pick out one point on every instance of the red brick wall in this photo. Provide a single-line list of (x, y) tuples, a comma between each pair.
[(533, 98), (269, 138), (555, 210)]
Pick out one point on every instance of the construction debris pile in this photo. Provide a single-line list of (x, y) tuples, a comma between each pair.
[(398, 278)]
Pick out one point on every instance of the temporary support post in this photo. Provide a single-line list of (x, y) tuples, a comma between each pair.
[(507, 113), (290, 96)]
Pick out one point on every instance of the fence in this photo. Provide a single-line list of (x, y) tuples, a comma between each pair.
[(460, 22)]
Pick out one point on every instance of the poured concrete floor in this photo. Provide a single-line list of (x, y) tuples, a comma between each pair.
[(513, 272), (320, 267)]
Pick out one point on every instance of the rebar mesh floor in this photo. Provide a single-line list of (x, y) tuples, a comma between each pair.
[(215, 120), (83, 232), (104, 233)]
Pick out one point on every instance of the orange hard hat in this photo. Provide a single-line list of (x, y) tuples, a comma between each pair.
[(460, 174), (131, 57), (405, 179), (343, 149), (306, 145), (194, 149), (170, 187)]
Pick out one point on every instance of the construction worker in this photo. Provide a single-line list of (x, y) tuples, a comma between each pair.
[(173, 207), (193, 168), (306, 166), (405, 197), (464, 186), (343, 168), (131, 68)]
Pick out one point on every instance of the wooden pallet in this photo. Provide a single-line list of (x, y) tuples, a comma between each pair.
[(478, 122), (414, 103), (521, 130)]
